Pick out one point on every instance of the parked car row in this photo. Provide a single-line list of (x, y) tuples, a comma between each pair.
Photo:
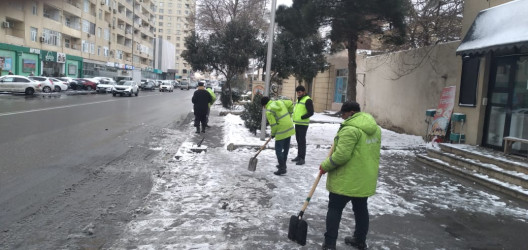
[(32, 84)]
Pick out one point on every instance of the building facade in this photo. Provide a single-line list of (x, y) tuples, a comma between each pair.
[(78, 38), (488, 68), (174, 23)]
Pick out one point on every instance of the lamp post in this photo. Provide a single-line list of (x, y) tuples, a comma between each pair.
[(268, 67)]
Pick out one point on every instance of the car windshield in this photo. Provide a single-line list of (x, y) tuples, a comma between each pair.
[(126, 83)]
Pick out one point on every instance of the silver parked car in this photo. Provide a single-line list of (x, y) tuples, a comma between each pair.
[(19, 84)]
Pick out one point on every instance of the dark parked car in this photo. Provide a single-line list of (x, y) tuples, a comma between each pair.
[(84, 84), (148, 85)]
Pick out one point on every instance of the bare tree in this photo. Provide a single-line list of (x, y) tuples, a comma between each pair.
[(213, 15), (434, 21)]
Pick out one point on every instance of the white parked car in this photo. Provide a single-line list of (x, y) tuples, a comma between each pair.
[(105, 86), (19, 84), (125, 87), (59, 85), (166, 86), (46, 83)]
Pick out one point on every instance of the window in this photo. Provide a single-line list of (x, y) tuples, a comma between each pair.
[(160, 30), (170, 11), (34, 9), (99, 31), (98, 50), (88, 27), (100, 14), (160, 17), (160, 23), (34, 34), (107, 34), (67, 42), (168, 37), (51, 37), (105, 51), (469, 81), (86, 6), (160, 10)]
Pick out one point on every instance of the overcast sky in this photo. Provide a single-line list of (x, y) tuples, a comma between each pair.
[(284, 2)]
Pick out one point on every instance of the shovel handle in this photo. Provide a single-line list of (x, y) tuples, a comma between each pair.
[(262, 148), (307, 201)]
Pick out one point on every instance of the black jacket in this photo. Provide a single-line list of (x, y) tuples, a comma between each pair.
[(201, 100)]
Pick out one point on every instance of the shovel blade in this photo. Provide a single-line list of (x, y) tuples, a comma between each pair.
[(297, 230), (252, 164)]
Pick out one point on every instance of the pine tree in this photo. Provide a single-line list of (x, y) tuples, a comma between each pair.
[(252, 114)]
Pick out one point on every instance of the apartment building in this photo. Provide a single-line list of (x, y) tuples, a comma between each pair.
[(174, 22), (78, 38)]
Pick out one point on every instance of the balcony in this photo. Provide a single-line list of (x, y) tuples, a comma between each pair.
[(52, 13), (73, 7)]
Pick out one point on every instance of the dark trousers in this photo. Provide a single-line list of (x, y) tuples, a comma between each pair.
[(200, 118), (282, 148), (336, 204), (300, 136)]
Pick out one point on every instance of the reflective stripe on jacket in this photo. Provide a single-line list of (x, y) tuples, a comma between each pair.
[(300, 110), (278, 115), (353, 166)]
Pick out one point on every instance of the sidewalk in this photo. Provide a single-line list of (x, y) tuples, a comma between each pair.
[(211, 201)]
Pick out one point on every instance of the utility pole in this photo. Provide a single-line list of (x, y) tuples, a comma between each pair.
[(268, 67)]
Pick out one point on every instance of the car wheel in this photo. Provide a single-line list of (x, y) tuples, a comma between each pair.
[(113, 94), (88, 87), (137, 92), (57, 89), (46, 89), (29, 91)]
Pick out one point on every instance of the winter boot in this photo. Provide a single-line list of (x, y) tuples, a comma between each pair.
[(300, 162), (197, 129), (203, 128), (296, 158), (325, 247), (352, 241), (282, 168)]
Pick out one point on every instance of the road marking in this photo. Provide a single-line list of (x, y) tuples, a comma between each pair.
[(62, 107)]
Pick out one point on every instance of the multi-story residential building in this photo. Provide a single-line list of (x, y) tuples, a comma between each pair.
[(78, 38), (173, 25)]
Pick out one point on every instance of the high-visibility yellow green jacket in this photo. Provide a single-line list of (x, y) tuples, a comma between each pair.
[(213, 96), (278, 115), (353, 166), (300, 110)]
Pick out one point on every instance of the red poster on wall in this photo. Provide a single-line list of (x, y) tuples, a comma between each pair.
[(443, 112)]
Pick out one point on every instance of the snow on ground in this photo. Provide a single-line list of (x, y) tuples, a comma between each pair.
[(211, 201)]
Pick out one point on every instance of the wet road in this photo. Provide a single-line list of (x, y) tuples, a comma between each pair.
[(67, 161)]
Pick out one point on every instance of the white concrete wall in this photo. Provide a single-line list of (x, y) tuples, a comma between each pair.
[(400, 87)]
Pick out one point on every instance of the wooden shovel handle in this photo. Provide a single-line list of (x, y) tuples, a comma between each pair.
[(307, 201), (262, 148)]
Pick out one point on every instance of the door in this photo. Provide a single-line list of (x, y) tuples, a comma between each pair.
[(507, 108), (519, 107)]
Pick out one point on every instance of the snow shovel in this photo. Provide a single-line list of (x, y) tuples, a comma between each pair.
[(199, 147), (253, 161), (298, 227)]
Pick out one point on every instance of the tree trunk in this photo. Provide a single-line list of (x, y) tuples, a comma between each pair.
[(352, 65)]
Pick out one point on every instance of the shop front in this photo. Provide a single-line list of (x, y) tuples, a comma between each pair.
[(19, 60), (53, 63), (503, 47)]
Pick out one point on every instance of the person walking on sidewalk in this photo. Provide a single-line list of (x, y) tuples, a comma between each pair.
[(201, 100), (278, 116), (352, 173), (213, 96), (301, 118)]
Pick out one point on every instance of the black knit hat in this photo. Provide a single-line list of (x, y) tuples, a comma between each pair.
[(200, 83), (350, 106), (264, 100)]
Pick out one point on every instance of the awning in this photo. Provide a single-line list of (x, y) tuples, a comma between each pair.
[(501, 27)]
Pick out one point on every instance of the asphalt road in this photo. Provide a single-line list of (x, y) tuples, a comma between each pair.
[(70, 163)]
